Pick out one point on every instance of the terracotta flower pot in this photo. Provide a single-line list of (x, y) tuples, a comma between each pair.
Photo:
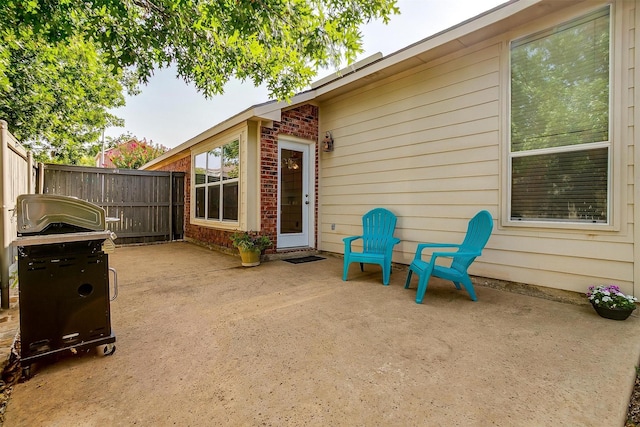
[(250, 258), (613, 313)]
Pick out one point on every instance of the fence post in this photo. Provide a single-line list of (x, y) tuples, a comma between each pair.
[(170, 206), (30, 183), (40, 189), (5, 217)]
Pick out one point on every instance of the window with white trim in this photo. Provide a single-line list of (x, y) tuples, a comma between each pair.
[(216, 183), (560, 145)]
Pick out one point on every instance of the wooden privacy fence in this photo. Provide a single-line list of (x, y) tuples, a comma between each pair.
[(142, 206), (16, 177)]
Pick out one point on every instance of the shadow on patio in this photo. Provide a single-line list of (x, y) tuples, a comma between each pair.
[(202, 341)]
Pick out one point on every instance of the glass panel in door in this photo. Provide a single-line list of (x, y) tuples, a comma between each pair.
[(291, 170)]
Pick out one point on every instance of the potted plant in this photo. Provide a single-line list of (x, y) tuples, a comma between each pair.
[(250, 244), (610, 303)]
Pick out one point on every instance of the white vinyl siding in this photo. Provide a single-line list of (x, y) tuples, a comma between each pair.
[(425, 140), (431, 145)]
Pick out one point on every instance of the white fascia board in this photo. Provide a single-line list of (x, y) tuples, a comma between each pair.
[(348, 70), (273, 110)]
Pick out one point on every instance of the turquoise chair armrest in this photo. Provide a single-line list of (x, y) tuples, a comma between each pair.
[(452, 256), (422, 246), (347, 243), (348, 240), (455, 254)]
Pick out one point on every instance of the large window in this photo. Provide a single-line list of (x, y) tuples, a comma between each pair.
[(560, 144), (216, 183)]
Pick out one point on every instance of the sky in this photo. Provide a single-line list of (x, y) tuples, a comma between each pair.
[(169, 112)]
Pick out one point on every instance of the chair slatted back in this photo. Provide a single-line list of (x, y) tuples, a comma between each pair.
[(378, 226), (478, 233)]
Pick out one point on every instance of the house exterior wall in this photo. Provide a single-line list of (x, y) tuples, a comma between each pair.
[(202, 235), (195, 230), (259, 184), (430, 144)]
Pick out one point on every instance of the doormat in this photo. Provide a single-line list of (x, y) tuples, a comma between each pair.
[(304, 259)]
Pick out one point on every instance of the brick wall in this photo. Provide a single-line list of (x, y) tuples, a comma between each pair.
[(203, 235), (301, 122)]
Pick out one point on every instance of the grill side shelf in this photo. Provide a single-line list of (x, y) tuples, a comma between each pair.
[(48, 239)]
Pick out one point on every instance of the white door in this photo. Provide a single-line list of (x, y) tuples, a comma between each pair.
[(294, 199)]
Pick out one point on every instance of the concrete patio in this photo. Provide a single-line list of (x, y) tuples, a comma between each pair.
[(203, 341)]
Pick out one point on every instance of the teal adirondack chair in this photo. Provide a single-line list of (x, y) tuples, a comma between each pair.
[(378, 226), (478, 232)]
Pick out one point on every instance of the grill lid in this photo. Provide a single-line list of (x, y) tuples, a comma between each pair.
[(50, 213)]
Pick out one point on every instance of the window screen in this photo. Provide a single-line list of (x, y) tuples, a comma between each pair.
[(559, 139)]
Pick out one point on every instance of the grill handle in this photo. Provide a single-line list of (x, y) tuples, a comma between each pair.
[(115, 283)]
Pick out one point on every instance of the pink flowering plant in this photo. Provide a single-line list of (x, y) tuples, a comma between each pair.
[(134, 154), (609, 296)]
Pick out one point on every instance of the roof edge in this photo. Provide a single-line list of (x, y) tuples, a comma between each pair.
[(457, 31)]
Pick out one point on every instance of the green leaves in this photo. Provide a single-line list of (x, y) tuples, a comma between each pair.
[(64, 63), (56, 97), (210, 41)]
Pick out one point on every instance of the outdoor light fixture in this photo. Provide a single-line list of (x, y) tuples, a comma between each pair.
[(327, 144), (290, 163)]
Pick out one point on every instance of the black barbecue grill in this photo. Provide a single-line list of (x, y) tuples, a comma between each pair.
[(63, 276)]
